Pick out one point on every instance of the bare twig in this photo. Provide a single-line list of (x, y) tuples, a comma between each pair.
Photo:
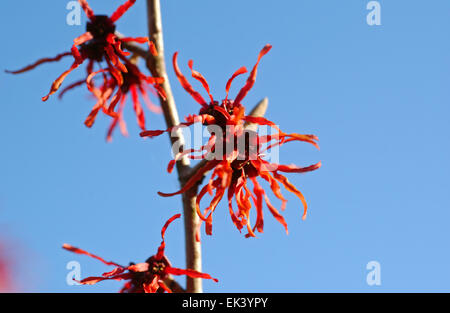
[(157, 66)]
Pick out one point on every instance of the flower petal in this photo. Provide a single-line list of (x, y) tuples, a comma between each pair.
[(39, 62), (201, 79), (190, 273), (57, 83), (161, 248), (121, 10), (240, 71), (184, 82), (86, 8), (252, 77), (80, 251)]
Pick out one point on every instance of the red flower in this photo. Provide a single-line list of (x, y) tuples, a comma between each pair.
[(134, 83), (145, 277), (232, 170), (98, 43)]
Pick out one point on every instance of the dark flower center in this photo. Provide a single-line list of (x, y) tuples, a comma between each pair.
[(100, 27), (94, 50)]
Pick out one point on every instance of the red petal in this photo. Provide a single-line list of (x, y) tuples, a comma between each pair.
[(71, 86), (276, 214), (259, 192), (152, 133), (252, 77), (153, 286), (201, 79), (137, 108), (160, 253), (164, 286), (82, 39), (240, 71), (191, 119), (150, 105), (114, 59), (140, 267), (86, 8), (80, 251), (190, 273), (194, 179), (39, 62), (57, 83), (291, 188), (121, 10)]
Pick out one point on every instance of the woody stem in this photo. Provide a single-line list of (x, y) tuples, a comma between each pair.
[(157, 66)]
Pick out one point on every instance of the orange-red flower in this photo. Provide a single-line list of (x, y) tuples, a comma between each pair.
[(237, 165), (145, 277), (99, 43)]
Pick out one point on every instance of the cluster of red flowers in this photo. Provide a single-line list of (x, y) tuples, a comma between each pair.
[(147, 277), (233, 169), (120, 77)]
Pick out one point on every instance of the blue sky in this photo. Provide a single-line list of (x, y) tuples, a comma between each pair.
[(377, 97)]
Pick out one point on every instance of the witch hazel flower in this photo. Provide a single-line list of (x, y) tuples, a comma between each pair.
[(147, 277), (99, 43), (240, 165)]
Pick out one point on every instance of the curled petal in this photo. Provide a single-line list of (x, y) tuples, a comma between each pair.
[(114, 59), (93, 280), (86, 8), (39, 62), (70, 87), (57, 83), (114, 272), (194, 179), (184, 82), (275, 188), (121, 10), (240, 71), (80, 251), (259, 192), (161, 248), (150, 105), (291, 188)]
